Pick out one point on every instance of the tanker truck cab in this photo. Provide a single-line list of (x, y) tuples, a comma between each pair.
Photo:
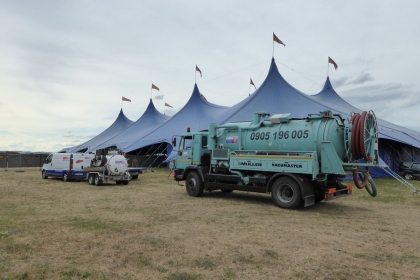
[(192, 146), (298, 161)]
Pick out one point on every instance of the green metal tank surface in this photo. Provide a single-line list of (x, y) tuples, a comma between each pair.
[(281, 133)]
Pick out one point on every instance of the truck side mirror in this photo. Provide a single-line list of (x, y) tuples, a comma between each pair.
[(174, 142)]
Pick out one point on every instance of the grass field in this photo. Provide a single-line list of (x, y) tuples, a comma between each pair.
[(151, 229)]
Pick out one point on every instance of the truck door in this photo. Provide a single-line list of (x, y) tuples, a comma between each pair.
[(48, 165), (199, 147), (184, 155)]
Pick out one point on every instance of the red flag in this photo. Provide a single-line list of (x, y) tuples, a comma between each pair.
[(252, 83), (125, 99), (277, 40), (154, 87), (198, 69), (203, 96), (167, 105), (332, 62)]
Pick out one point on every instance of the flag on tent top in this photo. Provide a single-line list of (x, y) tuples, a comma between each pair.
[(332, 62), (277, 40), (203, 96), (252, 83), (154, 87), (125, 99), (167, 105), (198, 69)]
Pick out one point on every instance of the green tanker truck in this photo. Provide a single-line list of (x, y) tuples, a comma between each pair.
[(299, 161)]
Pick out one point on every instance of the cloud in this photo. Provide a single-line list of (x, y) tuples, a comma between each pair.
[(383, 98), (159, 96), (359, 79)]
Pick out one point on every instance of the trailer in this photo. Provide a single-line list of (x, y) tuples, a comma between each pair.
[(104, 168)]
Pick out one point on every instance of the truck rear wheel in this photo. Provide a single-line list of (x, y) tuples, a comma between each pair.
[(98, 180), (91, 179), (286, 193), (194, 185)]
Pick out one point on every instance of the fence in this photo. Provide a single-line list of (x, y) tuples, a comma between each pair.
[(11, 160)]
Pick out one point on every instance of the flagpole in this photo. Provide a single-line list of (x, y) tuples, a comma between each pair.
[(195, 77), (273, 48), (121, 102), (328, 68)]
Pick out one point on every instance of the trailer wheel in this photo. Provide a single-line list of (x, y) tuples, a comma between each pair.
[(91, 179), (286, 193), (44, 175), (65, 177), (98, 180), (194, 185)]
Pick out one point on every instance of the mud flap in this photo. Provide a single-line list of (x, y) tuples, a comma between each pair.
[(308, 195)]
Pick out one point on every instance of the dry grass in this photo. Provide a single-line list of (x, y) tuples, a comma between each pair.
[(151, 229)]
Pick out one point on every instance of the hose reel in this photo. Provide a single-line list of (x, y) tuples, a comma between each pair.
[(364, 139)]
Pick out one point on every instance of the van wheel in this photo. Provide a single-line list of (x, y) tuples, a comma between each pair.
[(65, 177), (408, 176), (44, 175), (98, 180), (91, 179), (286, 193), (194, 185)]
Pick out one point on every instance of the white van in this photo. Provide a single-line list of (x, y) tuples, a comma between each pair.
[(67, 166)]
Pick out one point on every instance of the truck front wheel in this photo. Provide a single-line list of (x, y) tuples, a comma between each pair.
[(286, 193), (194, 185)]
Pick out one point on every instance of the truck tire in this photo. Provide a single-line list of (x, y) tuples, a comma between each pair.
[(286, 193), (65, 177), (98, 180), (44, 175), (194, 185), (91, 179)]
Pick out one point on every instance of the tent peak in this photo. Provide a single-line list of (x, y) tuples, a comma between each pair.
[(327, 84)]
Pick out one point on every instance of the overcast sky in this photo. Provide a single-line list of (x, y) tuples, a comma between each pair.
[(65, 65)]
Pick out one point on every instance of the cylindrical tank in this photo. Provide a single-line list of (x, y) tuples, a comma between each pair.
[(116, 164), (282, 133)]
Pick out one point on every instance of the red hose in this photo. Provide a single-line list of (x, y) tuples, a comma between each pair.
[(356, 180), (358, 145)]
